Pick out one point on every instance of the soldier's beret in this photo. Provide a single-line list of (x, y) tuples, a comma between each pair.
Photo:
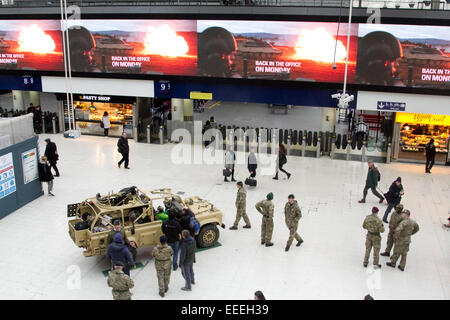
[(375, 209)]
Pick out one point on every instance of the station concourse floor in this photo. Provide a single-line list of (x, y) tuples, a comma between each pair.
[(39, 258)]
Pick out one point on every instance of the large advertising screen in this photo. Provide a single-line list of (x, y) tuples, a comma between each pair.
[(299, 51), (404, 56), (31, 45), (166, 47)]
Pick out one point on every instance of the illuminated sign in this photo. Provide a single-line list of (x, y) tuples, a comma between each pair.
[(201, 95), (418, 118)]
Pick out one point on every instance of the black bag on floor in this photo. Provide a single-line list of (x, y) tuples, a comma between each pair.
[(226, 173), (250, 182)]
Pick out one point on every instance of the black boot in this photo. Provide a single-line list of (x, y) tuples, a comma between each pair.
[(385, 254), (287, 248), (161, 293), (299, 243), (288, 175), (390, 264), (276, 176)]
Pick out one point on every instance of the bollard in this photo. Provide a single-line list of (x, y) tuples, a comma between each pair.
[(318, 148), (54, 125), (148, 134), (304, 145), (289, 145), (388, 153), (161, 135), (347, 157), (363, 151)]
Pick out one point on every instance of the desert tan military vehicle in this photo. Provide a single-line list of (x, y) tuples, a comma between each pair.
[(91, 220)]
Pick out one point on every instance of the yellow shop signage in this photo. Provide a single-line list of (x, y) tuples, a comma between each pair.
[(434, 119)]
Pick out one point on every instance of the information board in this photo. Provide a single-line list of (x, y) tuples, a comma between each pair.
[(7, 178)]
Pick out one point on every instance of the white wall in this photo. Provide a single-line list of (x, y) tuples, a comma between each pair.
[(101, 86), (415, 103)]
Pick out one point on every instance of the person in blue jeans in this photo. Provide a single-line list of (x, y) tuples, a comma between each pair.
[(172, 230), (187, 259)]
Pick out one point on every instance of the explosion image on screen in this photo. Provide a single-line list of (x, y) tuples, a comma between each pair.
[(31, 45), (302, 51), (135, 46)]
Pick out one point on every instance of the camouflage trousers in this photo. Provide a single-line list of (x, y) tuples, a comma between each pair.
[(121, 295), (373, 241), (266, 230), (390, 241), (240, 213), (293, 226), (401, 248), (163, 269)]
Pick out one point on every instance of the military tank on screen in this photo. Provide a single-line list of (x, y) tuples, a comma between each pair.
[(92, 219)]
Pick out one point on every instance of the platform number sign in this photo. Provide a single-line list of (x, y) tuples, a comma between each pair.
[(28, 81), (164, 86)]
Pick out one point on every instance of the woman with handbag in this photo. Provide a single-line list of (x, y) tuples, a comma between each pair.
[(281, 161), (105, 124), (230, 158)]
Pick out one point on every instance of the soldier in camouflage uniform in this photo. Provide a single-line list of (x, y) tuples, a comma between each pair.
[(265, 207), (120, 283), (374, 226), (118, 229), (394, 221), (292, 215), (163, 262), (240, 207), (402, 237)]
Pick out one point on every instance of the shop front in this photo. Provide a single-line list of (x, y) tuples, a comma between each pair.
[(416, 130), (89, 110)]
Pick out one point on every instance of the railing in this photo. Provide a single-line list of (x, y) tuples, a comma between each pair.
[(392, 4)]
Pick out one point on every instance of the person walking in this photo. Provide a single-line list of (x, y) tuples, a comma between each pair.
[(402, 237), (51, 152), (172, 230), (163, 254), (124, 150), (395, 220), (230, 158), (118, 252), (37, 119), (374, 227), (252, 163), (106, 123), (207, 137), (393, 196), (430, 153), (120, 282), (241, 207), (292, 215), (372, 179), (45, 174), (281, 161), (187, 259), (265, 207)]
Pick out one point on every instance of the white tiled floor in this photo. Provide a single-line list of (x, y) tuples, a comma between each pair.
[(37, 252)]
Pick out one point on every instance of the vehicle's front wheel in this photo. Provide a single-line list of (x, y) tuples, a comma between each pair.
[(208, 236)]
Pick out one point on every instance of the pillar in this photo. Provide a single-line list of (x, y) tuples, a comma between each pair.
[(18, 101), (188, 110), (178, 109), (328, 119), (35, 98)]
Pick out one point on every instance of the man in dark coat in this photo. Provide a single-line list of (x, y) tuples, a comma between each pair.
[(430, 152), (187, 259), (393, 196), (37, 119), (371, 183), (252, 163), (51, 152), (172, 229), (118, 252), (123, 149), (185, 220), (45, 174)]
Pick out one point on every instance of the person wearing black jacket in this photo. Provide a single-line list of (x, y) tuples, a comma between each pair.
[(430, 152), (393, 196), (187, 259), (45, 174), (281, 161), (37, 119), (51, 152), (172, 230), (185, 220), (123, 149)]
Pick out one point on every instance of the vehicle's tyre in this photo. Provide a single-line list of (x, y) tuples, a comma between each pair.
[(208, 236)]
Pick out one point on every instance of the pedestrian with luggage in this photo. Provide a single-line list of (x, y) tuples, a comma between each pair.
[(252, 163), (230, 158)]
